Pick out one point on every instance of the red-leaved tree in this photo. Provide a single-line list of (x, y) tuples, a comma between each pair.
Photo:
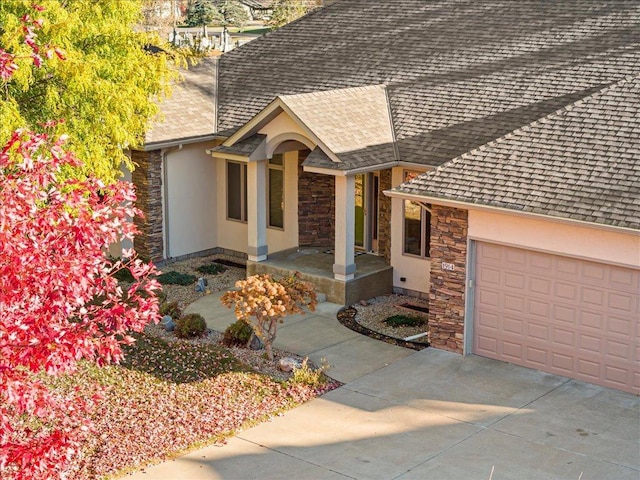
[(59, 300)]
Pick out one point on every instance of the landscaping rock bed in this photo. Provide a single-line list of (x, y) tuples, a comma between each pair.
[(368, 318)]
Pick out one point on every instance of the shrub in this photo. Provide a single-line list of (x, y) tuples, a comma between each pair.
[(190, 326), (306, 375), (176, 278), (172, 309), (238, 333), (404, 321), (211, 269), (162, 296)]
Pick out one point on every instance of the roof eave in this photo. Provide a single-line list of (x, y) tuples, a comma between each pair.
[(178, 141), (507, 211)]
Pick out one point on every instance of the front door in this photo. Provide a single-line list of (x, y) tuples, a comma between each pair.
[(366, 215)]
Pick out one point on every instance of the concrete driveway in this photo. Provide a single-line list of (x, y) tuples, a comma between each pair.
[(436, 415)]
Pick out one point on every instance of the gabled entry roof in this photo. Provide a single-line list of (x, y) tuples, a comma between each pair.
[(351, 127)]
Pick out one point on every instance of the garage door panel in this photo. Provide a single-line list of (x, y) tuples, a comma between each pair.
[(539, 285), (566, 292), (537, 356), (563, 337), (512, 326), (592, 297), (558, 314), (624, 280), (562, 364), (621, 301), (564, 314)]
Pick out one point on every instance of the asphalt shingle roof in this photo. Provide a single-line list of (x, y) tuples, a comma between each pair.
[(582, 163), (458, 73), (190, 111), (353, 123)]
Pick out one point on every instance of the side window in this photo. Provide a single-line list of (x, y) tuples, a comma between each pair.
[(417, 226), (236, 191), (276, 191)]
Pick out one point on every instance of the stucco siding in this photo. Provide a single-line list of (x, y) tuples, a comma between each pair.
[(190, 202), (416, 271), (583, 242)]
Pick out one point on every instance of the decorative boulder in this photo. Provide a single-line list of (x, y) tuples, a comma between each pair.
[(288, 364), (167, 323), (255, 343)]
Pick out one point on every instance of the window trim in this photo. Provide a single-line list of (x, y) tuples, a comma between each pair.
[(425, 218), (243, 192), (272, 166)]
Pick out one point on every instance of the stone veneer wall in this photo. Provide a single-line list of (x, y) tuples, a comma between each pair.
[(449, 227), (147, 178), (316, 207), (384, 216)]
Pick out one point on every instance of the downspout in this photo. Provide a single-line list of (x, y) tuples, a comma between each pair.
[(165, 195)]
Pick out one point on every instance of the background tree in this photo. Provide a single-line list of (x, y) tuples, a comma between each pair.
[(286, 11), (263, 302), (201, 13), (104, 89)]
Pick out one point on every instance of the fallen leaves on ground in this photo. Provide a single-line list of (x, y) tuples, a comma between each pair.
[(169, 396)]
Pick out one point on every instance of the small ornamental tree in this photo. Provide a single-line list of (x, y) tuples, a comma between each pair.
[(263, 302)]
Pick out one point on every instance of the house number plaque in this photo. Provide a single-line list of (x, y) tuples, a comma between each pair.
[(450, 267)]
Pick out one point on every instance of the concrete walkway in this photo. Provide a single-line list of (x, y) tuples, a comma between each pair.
[(422, 415)]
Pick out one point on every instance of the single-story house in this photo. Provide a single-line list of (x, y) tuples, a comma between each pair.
[(282, 150)]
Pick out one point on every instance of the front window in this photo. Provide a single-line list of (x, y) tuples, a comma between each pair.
[(417, 226), (276, 191), (237, 191)]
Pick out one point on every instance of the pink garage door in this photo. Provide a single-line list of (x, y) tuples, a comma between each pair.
[(562, 315)]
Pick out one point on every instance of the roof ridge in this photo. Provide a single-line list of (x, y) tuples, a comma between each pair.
[(377, 86)]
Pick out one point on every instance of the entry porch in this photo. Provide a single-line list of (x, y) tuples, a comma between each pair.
[(372, 277)]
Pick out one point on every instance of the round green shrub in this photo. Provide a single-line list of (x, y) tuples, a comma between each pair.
[(172, 309), (190, 326), (238, 333), (404, 321), (211, 269), (176, 278)]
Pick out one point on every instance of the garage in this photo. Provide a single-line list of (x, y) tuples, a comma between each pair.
[(562, 315)]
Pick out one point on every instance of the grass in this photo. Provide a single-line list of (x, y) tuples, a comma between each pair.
[(167, 397)]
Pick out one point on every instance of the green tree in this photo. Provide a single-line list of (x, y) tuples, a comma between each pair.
[(201, 13), (286, 11), (105, 89), (230, 13)]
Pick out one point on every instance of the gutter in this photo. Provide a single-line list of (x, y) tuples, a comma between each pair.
[(178, 142), (424, 199)]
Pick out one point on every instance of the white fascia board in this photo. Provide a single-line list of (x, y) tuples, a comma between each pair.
[(506, 211), (229, 156)]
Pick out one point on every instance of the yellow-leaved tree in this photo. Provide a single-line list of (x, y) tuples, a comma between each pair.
[(101, 77)]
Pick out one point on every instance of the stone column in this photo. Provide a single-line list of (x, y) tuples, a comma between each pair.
[(344, 267), (147, 177), (257, 210), (449, 227)]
